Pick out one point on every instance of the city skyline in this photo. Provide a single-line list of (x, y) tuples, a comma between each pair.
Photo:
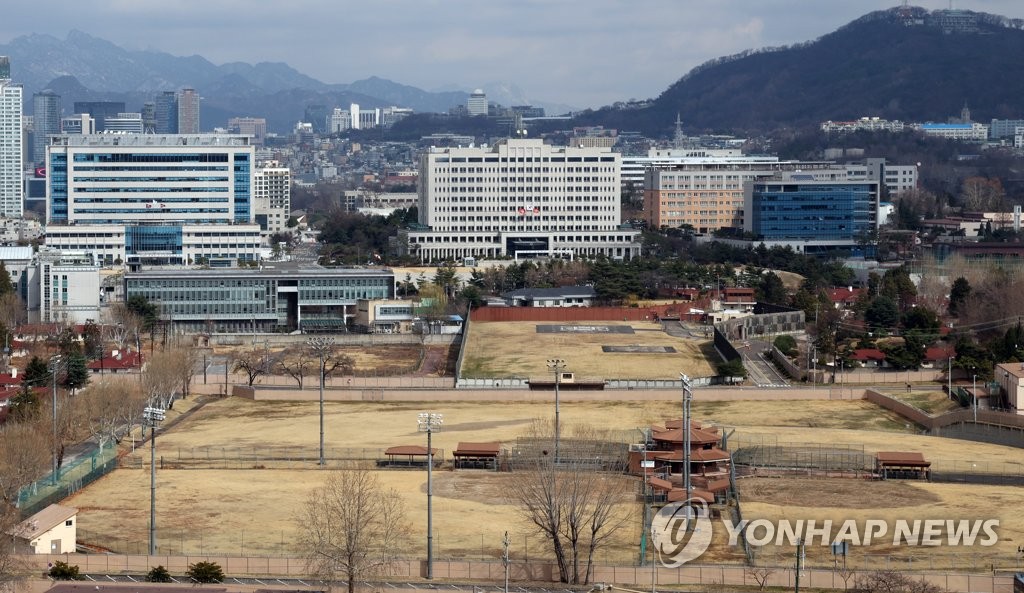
[(584, 55)]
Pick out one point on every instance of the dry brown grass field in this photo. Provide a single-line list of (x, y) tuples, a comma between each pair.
[(252, 511), (516, 349)]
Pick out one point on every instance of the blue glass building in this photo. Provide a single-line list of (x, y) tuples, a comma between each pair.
[(809, 208)]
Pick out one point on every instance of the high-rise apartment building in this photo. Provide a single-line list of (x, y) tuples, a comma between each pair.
[(11, 150), (520, 198), (46, 114), (188, 111), (271, 196), (165, 113), (477, 103)]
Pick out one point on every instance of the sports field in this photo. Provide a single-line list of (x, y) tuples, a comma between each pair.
[(252, 511), (518, 349)]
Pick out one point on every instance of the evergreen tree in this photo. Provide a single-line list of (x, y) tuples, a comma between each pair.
[(76, 375), (37, 373), (958, 294), (6, 286)]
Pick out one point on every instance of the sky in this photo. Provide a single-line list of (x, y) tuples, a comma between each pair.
[(583, 53)]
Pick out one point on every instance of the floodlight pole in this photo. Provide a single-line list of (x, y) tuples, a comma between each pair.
[(557, 365), (687, 398), (152, 416), (974, 392), (429, 423), (949, 377), (54, 361), (321, 346)]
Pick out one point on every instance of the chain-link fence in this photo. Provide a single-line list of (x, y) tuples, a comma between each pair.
[(273, 457), (71, 477)]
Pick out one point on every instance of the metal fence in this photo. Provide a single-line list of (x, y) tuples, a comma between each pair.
[(264, 458), (83, 470)]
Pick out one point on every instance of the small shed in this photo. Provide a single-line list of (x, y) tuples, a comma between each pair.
[(902, 464), (409, 456), (53, 530), (477, 455)]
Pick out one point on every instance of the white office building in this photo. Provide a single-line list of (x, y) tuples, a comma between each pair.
[(11, 150), (69, 287), (477, 103), (520, 198), (272, 197), (153, 198)]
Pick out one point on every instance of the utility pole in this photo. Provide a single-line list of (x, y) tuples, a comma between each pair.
[(505, 558), (799, 563)]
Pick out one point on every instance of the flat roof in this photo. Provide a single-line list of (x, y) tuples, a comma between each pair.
[(297, 269)]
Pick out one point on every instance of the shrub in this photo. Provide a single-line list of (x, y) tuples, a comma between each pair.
[(205, 572), (62, 571), (786, 345), (158, 574)]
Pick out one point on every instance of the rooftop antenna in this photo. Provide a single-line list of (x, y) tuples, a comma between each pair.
[(679, 132)]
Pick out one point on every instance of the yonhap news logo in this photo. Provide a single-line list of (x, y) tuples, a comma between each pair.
[(681, 532)]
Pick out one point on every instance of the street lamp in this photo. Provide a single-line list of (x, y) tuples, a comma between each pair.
[(430, 423), (322, 347), (152, 417), (687, 398), (557, 365), (55, 360)]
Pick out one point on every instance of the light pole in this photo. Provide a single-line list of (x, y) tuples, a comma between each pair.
[(687, 398), (152, 417), (949, 377), (54, 362), (557, 365), (322, 347), (974, 392), (430, 423)]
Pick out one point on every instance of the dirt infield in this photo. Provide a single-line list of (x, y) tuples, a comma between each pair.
[(516, 349)]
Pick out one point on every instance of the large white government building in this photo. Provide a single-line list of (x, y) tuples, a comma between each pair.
[(157, 199), (519, 198)]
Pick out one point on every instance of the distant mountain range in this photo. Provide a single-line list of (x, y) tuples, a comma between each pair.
[(905, 63), (85, 68)]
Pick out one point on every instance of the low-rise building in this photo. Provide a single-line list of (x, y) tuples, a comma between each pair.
[(53, 530), (565, 296), (1010, 376), (384, 316)]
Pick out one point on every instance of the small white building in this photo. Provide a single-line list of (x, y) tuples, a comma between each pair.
[(69, 286), (53, 530), (1010, 376), (566, 296)]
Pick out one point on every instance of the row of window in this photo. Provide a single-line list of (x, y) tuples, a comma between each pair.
[(526, 159)]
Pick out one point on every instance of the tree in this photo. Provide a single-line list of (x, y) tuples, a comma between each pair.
[(786, 345), (980, 194), (351, 527), (76, 373), (297, 364), (760, 574), (254, 363), (92, 340), (161, 380), (893, 581), (125, 326), (24, 455), (13, 568), (571, 505), (158, 574), (771, 289), (205, 572), (731, 368), (958, 294), (882, 313), (110, 408), (147, 312), (62, 571)]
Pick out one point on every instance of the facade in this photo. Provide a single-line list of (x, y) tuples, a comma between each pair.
[(69, 287), (384, 316), (704, 191), (870, 124), (100, 111), (53, 530), (188, 111), (19, 262), (477, 103), (46, 115), (254, 127), (1010, 376), (519, 198), (124, 123), (966, 132), (274, 298), (165, 113), (11, 149), (1004, 128), (153, 199), (894, 178), (80, 123), (339, 120), (566, 296), (821, 207), (271, 197)]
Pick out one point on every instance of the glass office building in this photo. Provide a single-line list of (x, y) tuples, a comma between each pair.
[(806, 207), (276, 298), (154, 186)]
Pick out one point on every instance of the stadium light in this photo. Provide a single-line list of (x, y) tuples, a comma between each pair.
[(557, 365), (152, 417), (322, 347), (430, 423)]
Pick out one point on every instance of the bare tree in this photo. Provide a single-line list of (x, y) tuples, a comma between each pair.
[(298, 364), (760, 575), (351, 527), (846, 574), (182, 361), (161, 379), (111, 407), (254, 363), (69, 426), (24, 456), (124, 327), (573, 505), (893, 581), (13, 568)]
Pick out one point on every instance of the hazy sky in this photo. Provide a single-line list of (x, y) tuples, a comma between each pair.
[(579, 52)]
